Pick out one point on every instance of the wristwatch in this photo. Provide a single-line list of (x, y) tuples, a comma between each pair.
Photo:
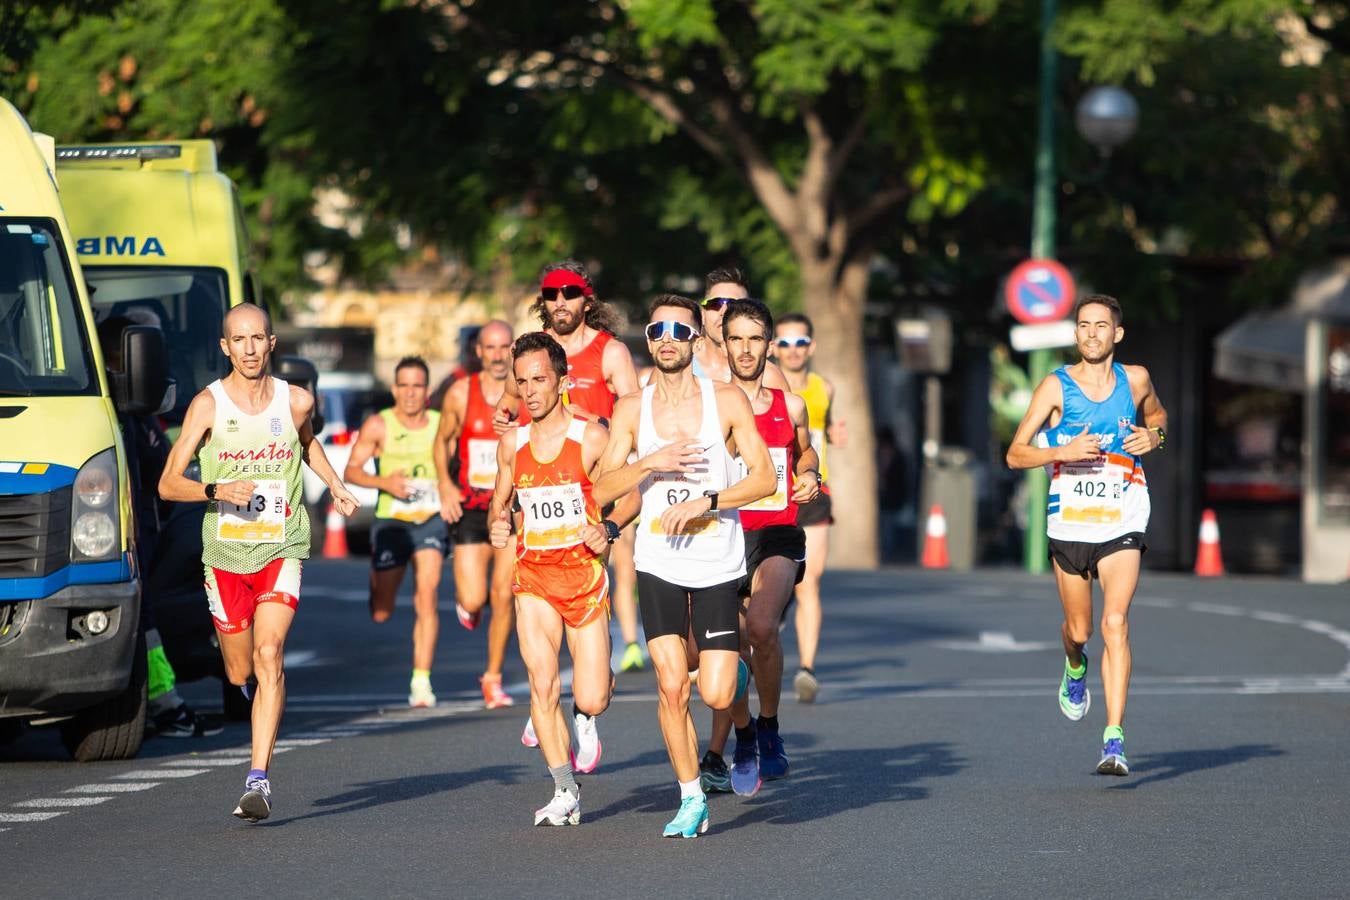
[(210, 488), (815, 472), (611, 530), (1162, 436), (712, 500)]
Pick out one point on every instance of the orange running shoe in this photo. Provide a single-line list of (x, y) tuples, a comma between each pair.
[(493, 695)]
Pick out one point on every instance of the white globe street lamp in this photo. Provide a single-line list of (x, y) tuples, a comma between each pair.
[(1106, 117)]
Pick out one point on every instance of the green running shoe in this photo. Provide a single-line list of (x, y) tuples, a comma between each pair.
[(1074, 699), (691, 820), (632, 659)]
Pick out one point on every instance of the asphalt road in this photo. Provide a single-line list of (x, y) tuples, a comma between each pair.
[(936, 763)]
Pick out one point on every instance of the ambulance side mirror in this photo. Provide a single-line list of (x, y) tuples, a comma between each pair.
[(139, 389)]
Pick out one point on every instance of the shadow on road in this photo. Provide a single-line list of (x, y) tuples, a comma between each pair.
[(369, 794), (823, 783), (1166, 766)]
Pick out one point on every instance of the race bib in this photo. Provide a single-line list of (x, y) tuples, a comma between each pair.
[(670, 488), (260, 521), (1091, 494), (554, 516), (422, 503), (777, 501), (482, 463)]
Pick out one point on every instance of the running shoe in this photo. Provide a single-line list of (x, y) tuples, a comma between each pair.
[(420, 695), (256, 804), (713, 774), (467, 619), (1074, 699), (633, 660), (742, 680), (691, 820), (745, 780), (182, 722), (493, 695), (806, 686), (563, 809), (1113, 759), (528, 737), (586, 754), (773, 762)]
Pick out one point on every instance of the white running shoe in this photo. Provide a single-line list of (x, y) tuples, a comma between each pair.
[(528, 737), (420, 695), (586, 756), (563, 809)]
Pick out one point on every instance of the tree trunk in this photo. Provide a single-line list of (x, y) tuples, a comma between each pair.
[(834, 298)]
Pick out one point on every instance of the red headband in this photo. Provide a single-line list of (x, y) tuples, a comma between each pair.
[(560, 278)]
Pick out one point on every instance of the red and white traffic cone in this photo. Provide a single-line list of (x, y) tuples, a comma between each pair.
[(935, 540), (1208, 560), (334, 534)]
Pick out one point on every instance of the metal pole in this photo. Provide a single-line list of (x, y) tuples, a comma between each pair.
[(1042, 247)]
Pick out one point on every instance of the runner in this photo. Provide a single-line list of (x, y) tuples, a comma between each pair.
[(466, 425), (775, 558), (690, 548), (1098, 503), (408, 524), (794, 347), (599, 369), (561, 586), (253, 431)]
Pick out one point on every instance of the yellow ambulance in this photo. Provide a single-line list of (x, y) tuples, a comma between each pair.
[(69, 587)]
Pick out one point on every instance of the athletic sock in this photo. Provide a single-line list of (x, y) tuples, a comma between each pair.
[(565, 778), (1113, 731), (1072, 672), (576, 712), (254, 773), (768, 723), (421, 675), (691, 789)]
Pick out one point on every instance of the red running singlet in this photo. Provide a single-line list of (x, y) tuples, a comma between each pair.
[(775, 425)]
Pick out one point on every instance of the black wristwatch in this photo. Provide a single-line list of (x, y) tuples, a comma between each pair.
[(712, 500), (210, 488), (611, 530), (1162, 436)]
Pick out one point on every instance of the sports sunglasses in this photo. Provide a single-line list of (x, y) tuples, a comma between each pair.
[(793, 342), (569, 291), (679, 331)]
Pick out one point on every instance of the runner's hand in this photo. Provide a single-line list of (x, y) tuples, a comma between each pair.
[(1082, 448), (1140, 441), (837, 433), (499, 532), (343, 500), (452, 502), (501, 421), (240, 493), (595, 537), (805, 487), (398, 485), (680, 456), (676, 517)]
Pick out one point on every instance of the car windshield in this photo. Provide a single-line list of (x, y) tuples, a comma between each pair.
[(43, 349), (187, 303)]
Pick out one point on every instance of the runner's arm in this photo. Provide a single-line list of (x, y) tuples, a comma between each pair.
[(836, 430), (369, 439), (805, 489), (311, 451), (761, 480), (1046, 400), (453, 408), (508, 407), (620, 374), (1147, 438), (173, 484), (499, 509)]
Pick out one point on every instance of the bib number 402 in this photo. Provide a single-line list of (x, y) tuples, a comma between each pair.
[(1097, 489)]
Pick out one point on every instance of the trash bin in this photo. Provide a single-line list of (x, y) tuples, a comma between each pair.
[(949, 481)]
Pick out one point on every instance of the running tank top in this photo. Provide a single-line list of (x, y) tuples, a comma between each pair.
[(264, 449), (478, 448), (555, 501), (817, 407), (711, 548), (408, 450), (588, 392), (1097, 500), (775, 426)]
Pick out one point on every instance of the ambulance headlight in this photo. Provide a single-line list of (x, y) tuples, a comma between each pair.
[(95, 514), (94, 534)]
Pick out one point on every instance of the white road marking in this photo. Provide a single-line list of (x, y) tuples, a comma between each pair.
[(148, 774), (125, 787), (60, 802), (995, 642), (1218, 609), (234, 760), (1156, 603), (301, 742), (29, 817)]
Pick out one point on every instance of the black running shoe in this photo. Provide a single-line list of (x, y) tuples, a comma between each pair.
[(182, 722), (712, 771)]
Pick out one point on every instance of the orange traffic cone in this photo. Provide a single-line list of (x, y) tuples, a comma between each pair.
[(334, 535), (935, 540), (1208, 562)]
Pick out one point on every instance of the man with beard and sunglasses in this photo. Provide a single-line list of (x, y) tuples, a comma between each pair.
[(599, 370), (775, 557), (1098, 504), (690, 551)]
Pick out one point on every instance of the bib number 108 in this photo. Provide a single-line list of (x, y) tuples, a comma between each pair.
[(548, 510)]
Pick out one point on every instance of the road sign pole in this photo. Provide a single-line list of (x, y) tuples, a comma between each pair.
[(1042, 247)]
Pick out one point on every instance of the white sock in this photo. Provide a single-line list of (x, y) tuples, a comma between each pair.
[(691, 789)]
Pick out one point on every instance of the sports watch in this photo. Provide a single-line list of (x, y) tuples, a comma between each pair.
[(712, 500), (210, 488), (611, 530)]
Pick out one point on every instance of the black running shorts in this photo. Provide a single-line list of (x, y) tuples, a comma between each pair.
[(393, 542), (1081, 558), (819, 511), (671, 609), (472, 528), (788, 541)]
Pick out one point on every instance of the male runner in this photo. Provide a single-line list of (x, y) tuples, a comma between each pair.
[(252, 431), (599, 369), (408, 524), (690, 551), (775, 556), (794, 346), (561, 585), (467, 436), (1098, 502)]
